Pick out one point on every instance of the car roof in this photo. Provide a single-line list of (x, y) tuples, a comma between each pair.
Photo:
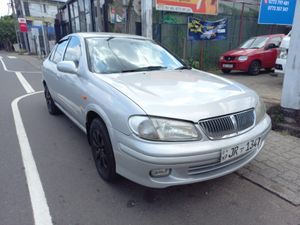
[(106, 34), (271, 35)]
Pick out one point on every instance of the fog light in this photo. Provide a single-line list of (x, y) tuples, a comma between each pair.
[(160, 172)]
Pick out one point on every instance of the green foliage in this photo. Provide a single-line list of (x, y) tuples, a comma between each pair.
[(7, 29)]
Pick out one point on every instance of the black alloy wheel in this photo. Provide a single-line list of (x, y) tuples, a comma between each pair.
[(254, 68), (52, 108), (102, 150)]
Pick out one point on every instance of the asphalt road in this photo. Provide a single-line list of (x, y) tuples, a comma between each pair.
[(73, 191)]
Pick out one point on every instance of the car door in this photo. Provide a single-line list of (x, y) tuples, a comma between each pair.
[(72, 85), (51, 72), (271, 53)]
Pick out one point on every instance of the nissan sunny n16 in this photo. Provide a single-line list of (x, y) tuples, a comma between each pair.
[(147, 115)]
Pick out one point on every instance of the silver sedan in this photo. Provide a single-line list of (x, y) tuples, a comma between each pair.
[(147, 115)]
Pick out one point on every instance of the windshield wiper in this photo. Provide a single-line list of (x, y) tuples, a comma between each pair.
[(184, 68), (147, 68)]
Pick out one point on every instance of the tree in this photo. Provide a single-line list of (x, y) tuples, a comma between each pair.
[(7, 32)]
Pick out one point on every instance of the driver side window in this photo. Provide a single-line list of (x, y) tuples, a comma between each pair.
[(73, 51)]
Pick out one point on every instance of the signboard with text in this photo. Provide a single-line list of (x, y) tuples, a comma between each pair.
[(279, 12), (22, 24), (209, 7)]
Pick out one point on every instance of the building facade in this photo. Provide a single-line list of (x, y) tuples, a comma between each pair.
[(40, 18), (97, 16)]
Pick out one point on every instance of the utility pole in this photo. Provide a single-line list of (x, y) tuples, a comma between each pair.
[(290, 98), (146, 18), (16, 19)]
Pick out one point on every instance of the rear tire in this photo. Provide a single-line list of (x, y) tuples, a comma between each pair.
[(226, 71), (102, 150), (52, 108), (254, 68)]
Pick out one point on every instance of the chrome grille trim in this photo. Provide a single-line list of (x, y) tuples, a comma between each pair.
[(229, 125)]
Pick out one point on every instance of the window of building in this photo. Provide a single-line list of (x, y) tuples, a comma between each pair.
[(44, 7), (74, 17), (26, 8)]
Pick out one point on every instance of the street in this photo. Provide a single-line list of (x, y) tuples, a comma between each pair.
[(61, 175)]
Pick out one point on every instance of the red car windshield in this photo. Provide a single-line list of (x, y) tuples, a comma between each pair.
[(256, 42)]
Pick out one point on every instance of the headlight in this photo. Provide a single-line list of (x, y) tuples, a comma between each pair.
[(260, 110), (283, 53), (242, 58), (161, 129), (222, 57)]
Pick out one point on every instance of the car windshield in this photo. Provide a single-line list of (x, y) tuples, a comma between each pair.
[(117, 55), (257, 42)]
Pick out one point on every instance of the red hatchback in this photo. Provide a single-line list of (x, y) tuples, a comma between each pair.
[(253, 55)]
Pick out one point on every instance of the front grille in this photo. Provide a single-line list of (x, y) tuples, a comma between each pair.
[(229, 125), (229, 58), (278, 66)]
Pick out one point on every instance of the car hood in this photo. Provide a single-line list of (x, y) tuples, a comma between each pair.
[(239, 52), (183, 94)]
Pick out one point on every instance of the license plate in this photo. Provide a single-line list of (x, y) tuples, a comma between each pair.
[(240, 149), (227, 66)]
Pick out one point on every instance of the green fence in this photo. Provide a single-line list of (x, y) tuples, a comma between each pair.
[(170, 29)]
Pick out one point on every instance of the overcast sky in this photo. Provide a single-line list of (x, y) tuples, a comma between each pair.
[(4, 7)]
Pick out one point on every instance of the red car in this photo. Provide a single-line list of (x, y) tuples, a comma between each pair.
[(253, 55)]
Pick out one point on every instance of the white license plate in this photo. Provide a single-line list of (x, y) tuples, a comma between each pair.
[(227, 65), (240, 149)]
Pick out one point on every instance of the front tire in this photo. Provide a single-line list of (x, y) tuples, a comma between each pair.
[(52, 108), (226, 71), (254, 68), (102, 150)]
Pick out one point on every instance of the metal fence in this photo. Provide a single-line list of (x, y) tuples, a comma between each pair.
[(170, 29)]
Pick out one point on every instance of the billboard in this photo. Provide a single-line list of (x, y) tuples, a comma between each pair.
[(209, 7), (200, 30), (279, 12)]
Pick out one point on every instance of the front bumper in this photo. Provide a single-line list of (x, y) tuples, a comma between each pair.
[(280, 65), (189, 162), (234, 65)]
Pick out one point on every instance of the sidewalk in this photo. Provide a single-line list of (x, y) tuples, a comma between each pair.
[(277, 167)]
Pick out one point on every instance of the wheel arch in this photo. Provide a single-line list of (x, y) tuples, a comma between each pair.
[(93, 113)]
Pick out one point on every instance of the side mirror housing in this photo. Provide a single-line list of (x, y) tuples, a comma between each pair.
[(67, 67)]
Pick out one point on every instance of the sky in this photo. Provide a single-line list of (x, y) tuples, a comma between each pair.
[(4, 7)]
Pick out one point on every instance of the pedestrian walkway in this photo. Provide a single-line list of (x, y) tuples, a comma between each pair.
[(277, 167)]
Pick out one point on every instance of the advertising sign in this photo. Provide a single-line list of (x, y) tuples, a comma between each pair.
[(199, 30), (279, 12), (209, 7), (22, 24)]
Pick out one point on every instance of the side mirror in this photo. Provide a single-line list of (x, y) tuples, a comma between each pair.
[(270, 46), (67, 67)]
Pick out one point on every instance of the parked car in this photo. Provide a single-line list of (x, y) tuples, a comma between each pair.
[(282, 57), (147, 115), (253, 55)]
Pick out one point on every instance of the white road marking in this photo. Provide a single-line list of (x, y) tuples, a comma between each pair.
[(21, 78), (41, 212), (12, 71), (11, 57), (24, 83)]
